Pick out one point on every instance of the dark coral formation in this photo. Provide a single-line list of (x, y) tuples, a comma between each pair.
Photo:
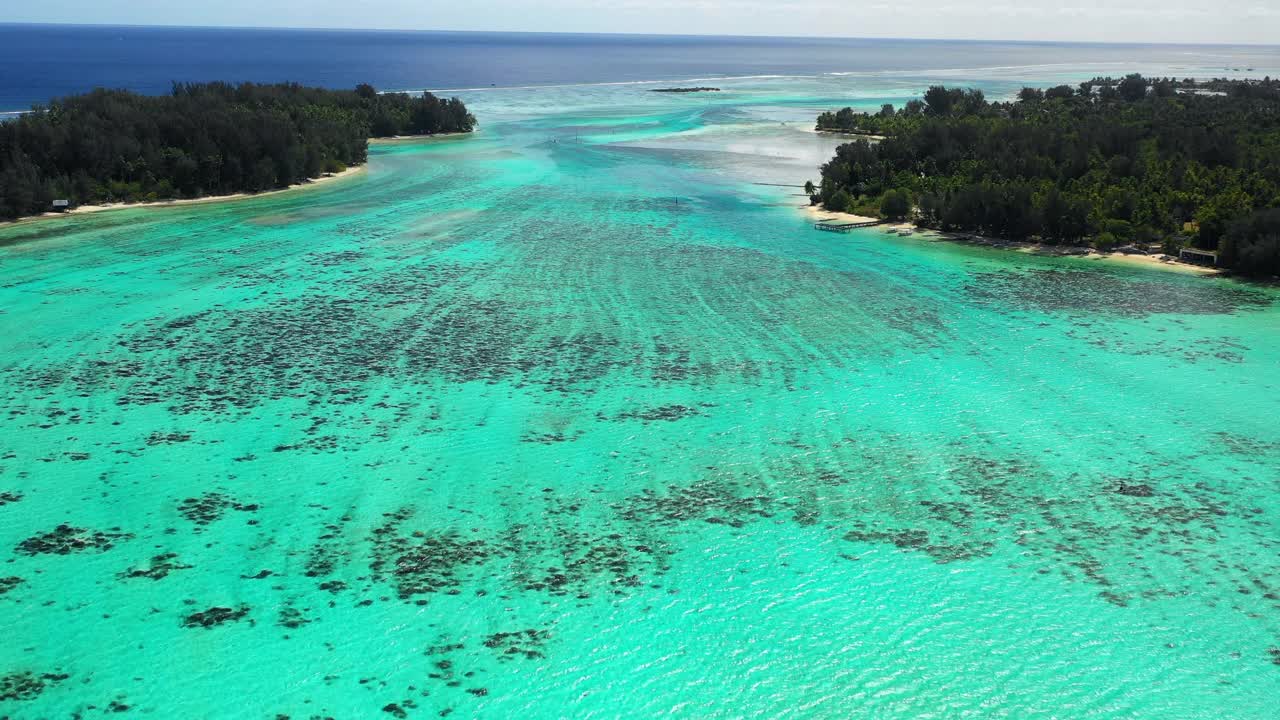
[(9, 583), (169, 438), (527, 644), (715, 501), (572, 556), (210, 507), (1070, 525), (9, 497), (1108, 293), (424, 563), (445, 673), (158, 568), (1132, 489), (1221, 349), (330, 550), (562, 558), (215, 616), (65, 539), (550, 438), (235, 358), (336, 258), (445, 648), (662, 413), (332, 587), (292, 618), (1247, 446), (954, 546), (470, 339), (26, 685), (571, 561)]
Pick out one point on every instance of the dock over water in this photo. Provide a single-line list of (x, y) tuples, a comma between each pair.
[(831, 226)]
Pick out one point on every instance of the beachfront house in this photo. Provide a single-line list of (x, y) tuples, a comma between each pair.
[(61, 205), (1198, 256)]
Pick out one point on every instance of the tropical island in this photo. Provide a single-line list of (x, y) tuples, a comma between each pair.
[(201, 140), (686, 90), (1113, 162)]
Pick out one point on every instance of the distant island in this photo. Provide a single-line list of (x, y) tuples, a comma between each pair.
[(207, 139), (686, 90), (1134, 162)]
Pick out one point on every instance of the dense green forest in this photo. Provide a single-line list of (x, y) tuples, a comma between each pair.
[(201, 139), (1111, 162)]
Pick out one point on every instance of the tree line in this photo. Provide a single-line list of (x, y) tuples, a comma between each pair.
[(1110, 162), (201, 139)]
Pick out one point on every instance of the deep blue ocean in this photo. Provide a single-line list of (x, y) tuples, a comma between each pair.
[(40, 62)]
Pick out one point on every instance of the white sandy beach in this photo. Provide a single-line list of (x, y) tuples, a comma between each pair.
[(1083, 253), (323, 180), (84, 209), (848, 135), (395, 139)]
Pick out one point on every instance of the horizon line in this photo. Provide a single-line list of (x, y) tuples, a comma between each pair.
[(633, 35)]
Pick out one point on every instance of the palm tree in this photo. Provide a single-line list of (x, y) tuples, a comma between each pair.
[(809, 189)]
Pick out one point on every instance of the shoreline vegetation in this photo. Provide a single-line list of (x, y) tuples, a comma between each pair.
[(1134, 167), (849, 133), (1084, 252), (202, 142), (306, 184), (303, 185), (396, 139)]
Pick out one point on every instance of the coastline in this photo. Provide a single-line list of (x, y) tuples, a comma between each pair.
[(87, 209), (817, 212), (396, 139), (314, 182), (850, 134), (1076, 251)]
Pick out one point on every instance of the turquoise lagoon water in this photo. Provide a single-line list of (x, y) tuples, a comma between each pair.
[(571, 419)]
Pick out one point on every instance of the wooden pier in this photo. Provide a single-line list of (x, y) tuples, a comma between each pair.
[(830, 226)]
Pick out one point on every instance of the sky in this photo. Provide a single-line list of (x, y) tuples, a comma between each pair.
[(1172, 21)]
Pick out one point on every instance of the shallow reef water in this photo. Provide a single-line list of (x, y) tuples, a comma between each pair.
[(575, 418)]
